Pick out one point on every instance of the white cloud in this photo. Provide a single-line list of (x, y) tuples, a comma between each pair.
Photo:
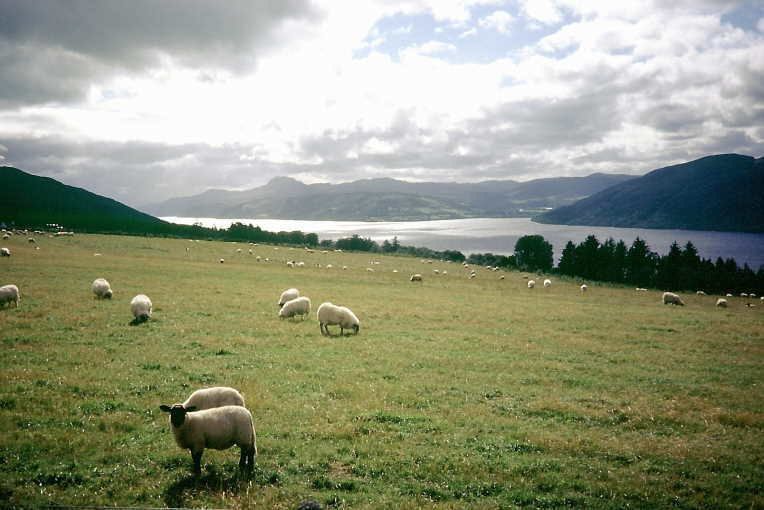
[(545, 11), (760, 25), (498, 20), (626, 86)]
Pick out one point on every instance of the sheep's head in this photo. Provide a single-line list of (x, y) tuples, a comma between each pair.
[(356, 327), (107, 294), (177, 413)]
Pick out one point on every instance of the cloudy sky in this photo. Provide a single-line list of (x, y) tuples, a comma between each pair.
[(148, 99)]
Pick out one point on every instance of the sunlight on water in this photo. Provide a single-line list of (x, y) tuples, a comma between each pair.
[(498, 235)]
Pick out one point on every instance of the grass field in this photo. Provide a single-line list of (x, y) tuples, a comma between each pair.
[(456, 393)]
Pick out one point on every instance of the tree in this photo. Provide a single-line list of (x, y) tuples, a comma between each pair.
[(567, 263), (533, 253)]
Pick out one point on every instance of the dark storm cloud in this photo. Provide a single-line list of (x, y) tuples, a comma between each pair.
[(51, 50)]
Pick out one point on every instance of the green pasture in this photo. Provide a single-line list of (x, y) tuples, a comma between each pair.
[(457, 393)]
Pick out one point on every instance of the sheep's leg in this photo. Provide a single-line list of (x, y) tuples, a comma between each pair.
[(243, 459), (197, 456)]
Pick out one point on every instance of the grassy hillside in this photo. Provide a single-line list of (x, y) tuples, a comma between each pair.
[(721, 192), (30, 200), (456, 393)]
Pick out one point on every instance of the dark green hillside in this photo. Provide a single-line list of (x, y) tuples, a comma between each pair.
[(722, 192), (31, 201)]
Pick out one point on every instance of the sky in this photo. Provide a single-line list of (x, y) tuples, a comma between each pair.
[(151, 99)]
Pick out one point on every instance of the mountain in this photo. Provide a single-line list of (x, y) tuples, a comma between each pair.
[(31, 200), (388, 199), (722, 192)]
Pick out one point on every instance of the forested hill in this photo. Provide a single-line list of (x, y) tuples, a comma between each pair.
[(31, 200), (722, 192)]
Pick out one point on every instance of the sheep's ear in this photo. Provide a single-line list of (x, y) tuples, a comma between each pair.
[(165, 408), (190, 409)]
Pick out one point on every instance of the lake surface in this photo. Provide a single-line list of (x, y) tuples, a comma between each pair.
[(499, 235)]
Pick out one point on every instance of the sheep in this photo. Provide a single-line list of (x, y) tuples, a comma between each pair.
[(531, 284), (743, 294), (547, 283), (700, 293), (288, 295), (31, 240), (6, 236), (330, 315), (501, 277), (344, 268), (141, 308), (217, 396), (751, 294), (290, 263), (435, 271), (721, 303), (218, 428), (641, 289), (297, 306), (9, 294), (669, 298), (369, 270), (101, 288), (583, 287), (728, 295), (222, 261), (5, 252), (416, 278), (258, 258)]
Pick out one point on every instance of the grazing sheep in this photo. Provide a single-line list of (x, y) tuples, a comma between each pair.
[(415, 278), (501, 277), (531, 284), (218, 428), (583, 287), (751, 294), (31, 240), (547, 283), (743, 294), (641, 289), (435, 271), (700, 293), (728, 295), (369, 270), (5, 252), (288, 295), (669, 298), (6, 236), (9, 294), (297, 306), (721, 303), (344, 268), (141, 308), (217, 396), (330, 315), (222, 261), (290, 263), (473, 275), (258, 258), (101, 288)]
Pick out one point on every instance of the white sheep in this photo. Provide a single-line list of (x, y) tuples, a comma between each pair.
[(700, 293), (728, 295), (141, 308), (218, 428), (297, 306), (288, 295), (217, 396), (641, 289), (101, 288), (669, 298), (415, 278), (9, 294), (501, 277), (583, 287), (531, 284), (743, 294), (721, 303), (330, 315), (290, 263), (5, 252), (222, 261), (547, 283)]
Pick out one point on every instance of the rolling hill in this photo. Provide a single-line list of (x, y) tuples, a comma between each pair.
[(388, 199), (31, 200), (722, 192)]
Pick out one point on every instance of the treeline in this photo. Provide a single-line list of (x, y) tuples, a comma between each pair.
[(357, 243), (680, 269)]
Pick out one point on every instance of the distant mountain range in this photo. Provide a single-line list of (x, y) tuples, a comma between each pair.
[(31, 200), (389, 199), (723, 192)]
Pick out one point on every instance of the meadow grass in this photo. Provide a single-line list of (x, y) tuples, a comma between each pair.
[(456, 393)]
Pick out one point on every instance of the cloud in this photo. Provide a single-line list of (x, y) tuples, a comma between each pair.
[(497, 20), (52, 51), (547, 12)]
